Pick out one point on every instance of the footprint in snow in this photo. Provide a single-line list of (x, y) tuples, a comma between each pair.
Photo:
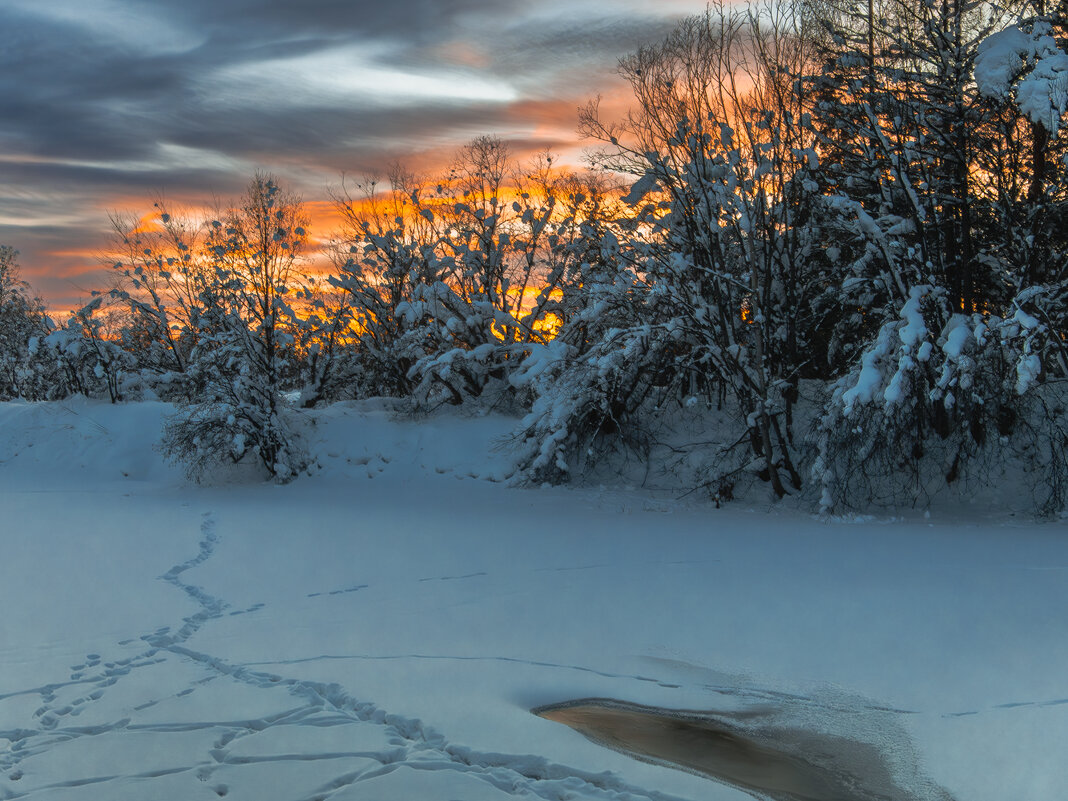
[(454, 578)]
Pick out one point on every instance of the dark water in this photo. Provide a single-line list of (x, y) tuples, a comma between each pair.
[(748, 751)]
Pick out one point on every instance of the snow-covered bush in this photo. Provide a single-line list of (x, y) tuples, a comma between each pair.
[(450, 285), (87, 359), (586, 403), (322, 362), (385, 250), (586, 386), (453, 346), (944, 399), (237, 413)]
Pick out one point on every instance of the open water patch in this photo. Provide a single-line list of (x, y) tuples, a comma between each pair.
[(762, 751)]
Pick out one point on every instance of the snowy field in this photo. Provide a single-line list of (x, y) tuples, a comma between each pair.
[(382, 629)]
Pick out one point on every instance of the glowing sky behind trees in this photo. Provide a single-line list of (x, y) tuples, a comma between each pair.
[(106, 103)]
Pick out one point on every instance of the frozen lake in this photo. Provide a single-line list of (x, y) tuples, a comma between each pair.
[(382, 629)]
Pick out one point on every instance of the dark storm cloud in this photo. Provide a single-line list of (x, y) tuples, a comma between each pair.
[(102, 101), (56, 86), (66, 93)]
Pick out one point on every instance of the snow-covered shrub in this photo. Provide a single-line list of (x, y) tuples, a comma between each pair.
[(939, 398), (319, 362), (87, 360), (38, 376), (586, 404), (454, 347), (590, 386), (385, 250), (237, 413), (450, 285), (417, 335)]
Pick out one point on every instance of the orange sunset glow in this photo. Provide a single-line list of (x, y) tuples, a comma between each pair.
[(332, 113)]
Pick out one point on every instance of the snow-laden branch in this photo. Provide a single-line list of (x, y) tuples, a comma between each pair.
[(1029, 65)]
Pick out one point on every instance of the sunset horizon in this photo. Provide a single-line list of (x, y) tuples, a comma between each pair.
[(108, 105)]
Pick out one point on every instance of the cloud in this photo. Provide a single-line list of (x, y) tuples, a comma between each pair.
[(104, 100)]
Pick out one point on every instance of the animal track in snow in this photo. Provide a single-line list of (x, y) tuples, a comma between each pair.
[(454, 578), (379, 746), (356, 588)]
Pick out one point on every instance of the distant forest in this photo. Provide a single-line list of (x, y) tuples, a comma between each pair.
[(839, 228)]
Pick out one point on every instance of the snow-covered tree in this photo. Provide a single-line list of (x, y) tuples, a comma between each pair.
[(239, 362), (901, 127), (161, 272), (718, 244), (948, 234), (22, 324)]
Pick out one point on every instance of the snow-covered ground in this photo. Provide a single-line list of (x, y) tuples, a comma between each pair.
[(382, 629)]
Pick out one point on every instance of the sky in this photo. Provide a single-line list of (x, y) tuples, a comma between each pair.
[(105, 104)]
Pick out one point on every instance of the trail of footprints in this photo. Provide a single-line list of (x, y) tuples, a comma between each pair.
[(385, 742)]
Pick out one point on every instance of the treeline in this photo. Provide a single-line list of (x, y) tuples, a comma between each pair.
[(844, 227)]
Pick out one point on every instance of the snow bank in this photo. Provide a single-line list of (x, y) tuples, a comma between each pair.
[(78, 440)]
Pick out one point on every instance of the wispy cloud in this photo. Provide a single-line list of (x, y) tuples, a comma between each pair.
[(102, 101)]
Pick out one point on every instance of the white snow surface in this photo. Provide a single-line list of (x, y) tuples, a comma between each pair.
[(381, 628)]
